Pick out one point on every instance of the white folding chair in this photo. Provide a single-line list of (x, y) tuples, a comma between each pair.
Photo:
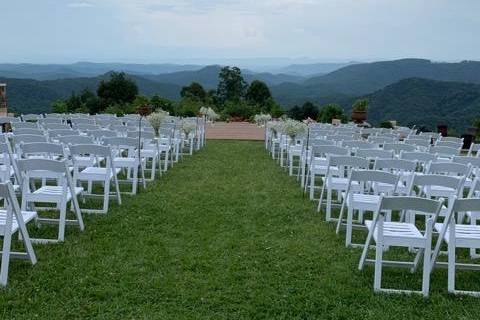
[(125, 156), (98, 170), (387, 233), (318, 163), (61, 194), (360, 196), (12, 219), (337, 179), (458, 236), (436, 186), (403, 168)]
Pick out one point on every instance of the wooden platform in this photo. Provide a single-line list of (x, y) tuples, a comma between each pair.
[(235, 131)]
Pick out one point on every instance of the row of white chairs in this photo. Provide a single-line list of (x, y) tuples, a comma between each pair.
[(402, 194), (62, 168)]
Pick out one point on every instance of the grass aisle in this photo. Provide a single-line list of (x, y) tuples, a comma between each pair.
[(224, 235)]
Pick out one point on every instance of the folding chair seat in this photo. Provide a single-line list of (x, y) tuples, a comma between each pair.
[(96, 172), (364, 198), (387, 233), (12, 220), (60, 194)]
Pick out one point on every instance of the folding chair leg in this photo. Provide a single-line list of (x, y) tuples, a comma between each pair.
[(328, 215), (106, 196), (427, 258), (377, 282), (312, 185), (61, 223), (7, 241), (348, 236), (135, 180)]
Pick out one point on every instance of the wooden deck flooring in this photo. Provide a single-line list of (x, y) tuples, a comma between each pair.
[(234, 131)]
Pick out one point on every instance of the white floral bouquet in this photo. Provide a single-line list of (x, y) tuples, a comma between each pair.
[(156, 119), (203, 110), (261, 119), (188, 126), (294, 128), (211, 114), (275, 126)]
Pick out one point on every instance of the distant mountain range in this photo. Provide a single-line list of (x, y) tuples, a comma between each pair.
[(426, 103), (405, 90)]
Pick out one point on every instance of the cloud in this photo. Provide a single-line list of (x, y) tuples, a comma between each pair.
[(79, 5)]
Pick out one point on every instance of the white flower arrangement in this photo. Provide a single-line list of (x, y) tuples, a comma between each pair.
[(261, 119), (211, 114), (188, 126), (294, 128), (276, 126), (156, 119)]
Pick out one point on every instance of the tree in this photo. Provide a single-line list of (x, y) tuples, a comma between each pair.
[(189, 107), (331, 111), (194, 91), (258, 93), (309, 110), (60, 106), (117, 90), (231, 85), (158, 102), (295, 113), (90, 102)]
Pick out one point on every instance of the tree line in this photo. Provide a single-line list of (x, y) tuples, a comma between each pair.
[(233, 99)]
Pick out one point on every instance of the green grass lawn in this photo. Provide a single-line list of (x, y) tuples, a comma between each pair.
[(225, 234)]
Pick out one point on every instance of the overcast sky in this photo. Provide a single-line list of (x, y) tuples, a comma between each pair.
[(62, 31)]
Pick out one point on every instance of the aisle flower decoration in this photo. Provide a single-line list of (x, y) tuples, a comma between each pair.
[(261, 119), (276, 126), (156, 119), (293, 128), (187, 127), (211, 114)]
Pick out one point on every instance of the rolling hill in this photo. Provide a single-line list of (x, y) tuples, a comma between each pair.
[(426, 102), (367, 77), (85, 69), (34, 96)]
